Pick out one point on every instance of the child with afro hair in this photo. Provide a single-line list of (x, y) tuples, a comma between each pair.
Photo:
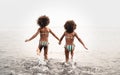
[(43, 31), (69, 35)]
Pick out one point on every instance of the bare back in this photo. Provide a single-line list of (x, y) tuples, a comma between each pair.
[(44, 33), (69, 38)]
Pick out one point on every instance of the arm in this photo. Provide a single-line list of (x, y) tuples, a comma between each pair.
[(54, 35), (61, 38), (33, 36), (80, 41)]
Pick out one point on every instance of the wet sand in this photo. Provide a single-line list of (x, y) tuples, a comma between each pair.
[(19, 58), (32, 66)]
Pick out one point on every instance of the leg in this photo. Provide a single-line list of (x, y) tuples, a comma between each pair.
[(46, 52), (72, 53), (66, 55), (39, 49)]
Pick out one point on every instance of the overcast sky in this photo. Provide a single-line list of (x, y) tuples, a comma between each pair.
[(24, 13), (97, 20)]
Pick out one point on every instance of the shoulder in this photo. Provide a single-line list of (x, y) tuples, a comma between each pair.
[(48, 29), (39, 29), (65, 33), (74, 33)]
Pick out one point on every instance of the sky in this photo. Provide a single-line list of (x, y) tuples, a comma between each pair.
[(86, 13), (98, 21)]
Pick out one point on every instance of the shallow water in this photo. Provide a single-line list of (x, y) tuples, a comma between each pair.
[(19, 58)]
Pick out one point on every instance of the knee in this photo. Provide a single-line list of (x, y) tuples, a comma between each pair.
[(45, 53)]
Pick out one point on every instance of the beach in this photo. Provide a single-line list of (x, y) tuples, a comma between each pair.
[(97, 24), (19, 58), (31, 66)]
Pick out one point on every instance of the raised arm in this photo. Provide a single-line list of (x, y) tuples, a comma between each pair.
[(54, 35), (61, 38), (79, 39), (33, 36)]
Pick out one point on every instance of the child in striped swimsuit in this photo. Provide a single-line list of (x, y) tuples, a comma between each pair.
[(44, 31), (69, 34)]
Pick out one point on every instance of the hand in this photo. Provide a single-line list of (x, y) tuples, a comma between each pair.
[(27, 40), (86, 48), (59, 43)]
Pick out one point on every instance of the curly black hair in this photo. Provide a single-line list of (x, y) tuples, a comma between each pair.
[(43, 21), (70, 26)]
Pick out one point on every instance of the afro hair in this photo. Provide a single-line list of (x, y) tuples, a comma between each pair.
[(70, 26), (43, 21)]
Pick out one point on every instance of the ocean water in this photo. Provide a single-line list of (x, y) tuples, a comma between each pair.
[(101, 58)]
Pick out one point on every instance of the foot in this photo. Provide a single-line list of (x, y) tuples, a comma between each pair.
[(42, 62), (71, 60), (38, 52), (66, 64), (46, 60)]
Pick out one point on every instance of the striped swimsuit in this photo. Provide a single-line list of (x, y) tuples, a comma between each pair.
[(44, 43), (70, 47)]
